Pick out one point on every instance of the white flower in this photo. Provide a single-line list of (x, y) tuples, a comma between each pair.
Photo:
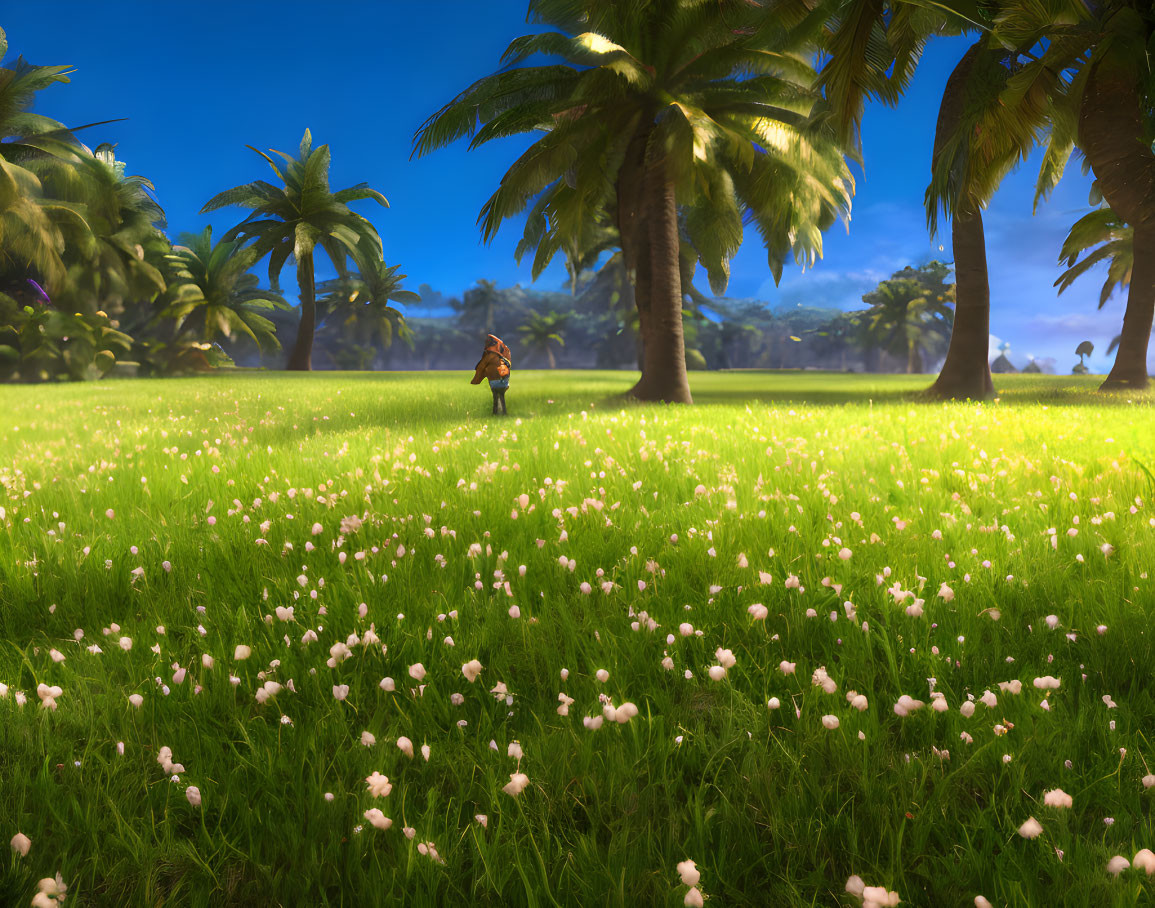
[(514, 751), (758, 611), (136, 700), (717, 673), (787, 668), (367, 739), (417, 671), (693, 898), (688, 871), (602, 675), (1030, 828), (773, 703), (830, 722), (945, 592), (241, 653), (340, 691), (471, 670), (377, 818), (516, 784), (1047, 683), (405, 746), (20, 844), (194, 795), (1057, 798), (725, 657), (1149, 780), (379, 786), (1117, 865), (1144, 860)]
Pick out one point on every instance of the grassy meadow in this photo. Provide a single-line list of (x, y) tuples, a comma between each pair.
[(808, 629)]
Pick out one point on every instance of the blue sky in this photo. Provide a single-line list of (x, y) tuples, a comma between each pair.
[(198, 82)]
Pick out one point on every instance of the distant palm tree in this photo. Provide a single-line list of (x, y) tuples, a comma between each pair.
[(356, 307), (210, 285), (542, 331), (906, 319), (295, 218), (480, 304), (1085, 349)]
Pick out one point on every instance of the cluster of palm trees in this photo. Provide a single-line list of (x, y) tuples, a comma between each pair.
[(89, 278), (668, 125)]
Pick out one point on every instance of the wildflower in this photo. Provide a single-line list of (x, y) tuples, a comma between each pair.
[(50, 892), (758, 611), (725, 657), (193, 794), (787, 668), (693, 898), (830, 722), (340, 691), (1031, 828), (1047, 682), (241, 653), (367, 739), (1117, 865), (945, 593), (1057, 798), (417, 671), (602, 675), (564, 704), (405, 746), (689, 873), (516, 784), (379, 786), (471, 670), (377, 818), (773, 703), (136, 700), (482, 819), (1149, 780), (20, 844), (717, 673), (125, 643), (1144, 860)]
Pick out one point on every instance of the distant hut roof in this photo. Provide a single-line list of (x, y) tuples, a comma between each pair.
[(1003, 365), (1032, 366)]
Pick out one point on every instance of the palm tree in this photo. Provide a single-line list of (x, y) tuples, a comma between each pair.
[(295, 218), (986, 125), (660, 106), (480, 304), (356, 308), (114, 245), (542, 331), (28, 237), (1109, 111), (211, 287), (906, 318)]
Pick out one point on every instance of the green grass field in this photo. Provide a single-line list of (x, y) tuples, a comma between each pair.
[(149, 528)]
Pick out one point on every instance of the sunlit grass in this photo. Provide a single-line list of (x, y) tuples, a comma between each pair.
[(767, 471)]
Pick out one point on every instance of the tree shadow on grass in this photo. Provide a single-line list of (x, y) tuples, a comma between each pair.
[(832, 389)]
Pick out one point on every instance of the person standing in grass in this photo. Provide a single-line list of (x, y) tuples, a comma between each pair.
[(494, 365)]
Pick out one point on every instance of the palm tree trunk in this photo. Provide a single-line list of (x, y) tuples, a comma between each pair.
[(664, 372), (631, 229), (549, 356), (1130, 368), (301, 359), (1110, 134), (966, 374)]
